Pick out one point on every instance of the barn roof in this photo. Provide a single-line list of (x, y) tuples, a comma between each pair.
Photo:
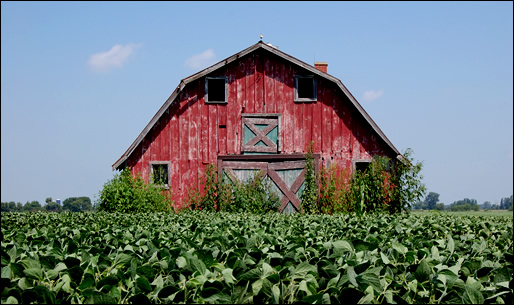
[(253, 48)]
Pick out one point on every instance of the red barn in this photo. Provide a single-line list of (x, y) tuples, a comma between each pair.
[(256, 110)]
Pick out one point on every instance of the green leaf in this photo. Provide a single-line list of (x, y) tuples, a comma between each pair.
[(422, 272), (228, 277), (352, 276), (197, 265), (6, 272), (66, 280), (333, 281), (372, 280), (399, 247), (86, 283), (450, 277), (167, 291), (303, 268), (251, 274), (13, 300), (256, 286), (368, 297), (384, 258), (98, 297), (34, 273), (25, 284), (472, 295), (44, 295), (158, 282), (275, 294), (435, 253), (122, 259), (342, 246), (451, 244), (181, 262), (143, 283)]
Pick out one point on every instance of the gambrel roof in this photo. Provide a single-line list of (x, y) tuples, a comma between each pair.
[(260, 45)]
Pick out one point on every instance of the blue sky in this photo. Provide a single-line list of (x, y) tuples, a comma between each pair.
[(80, 81)]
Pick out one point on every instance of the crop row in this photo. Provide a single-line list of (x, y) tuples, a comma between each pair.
[(201, 257)]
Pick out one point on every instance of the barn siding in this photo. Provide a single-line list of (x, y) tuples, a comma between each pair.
[(191, 134)]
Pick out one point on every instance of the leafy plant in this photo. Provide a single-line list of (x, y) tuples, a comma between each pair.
[(209, 198), (334, 187), (126, 193), (385, 185), (309, 197), (408, 181), (253, 196)]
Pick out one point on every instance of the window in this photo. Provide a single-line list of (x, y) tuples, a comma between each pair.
[(160, 173), (305, 89), (361, 165), (216, 89)]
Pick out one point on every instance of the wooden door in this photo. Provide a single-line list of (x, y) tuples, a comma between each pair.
[(260, 133), (287, 178)]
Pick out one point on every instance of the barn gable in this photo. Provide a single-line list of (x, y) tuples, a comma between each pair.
[(256, 114)]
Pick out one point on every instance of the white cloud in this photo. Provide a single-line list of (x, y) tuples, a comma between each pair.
[(116, 57), (201, 60), (372, 95)]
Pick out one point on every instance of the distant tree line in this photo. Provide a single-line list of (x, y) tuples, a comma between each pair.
[(72, 204), (431, 202)]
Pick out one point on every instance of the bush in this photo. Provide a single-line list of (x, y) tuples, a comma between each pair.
[(126, 193), (253, 196), (384, 186), (219, 195)]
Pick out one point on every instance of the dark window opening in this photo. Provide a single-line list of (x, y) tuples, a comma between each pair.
[(362, 166), (305, 89), (216, 90), (160, 174)]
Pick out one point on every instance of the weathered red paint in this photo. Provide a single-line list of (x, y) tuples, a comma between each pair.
[(191, 133)]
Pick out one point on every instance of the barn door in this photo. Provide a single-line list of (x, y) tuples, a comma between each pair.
[(260, 134), (287, 178)]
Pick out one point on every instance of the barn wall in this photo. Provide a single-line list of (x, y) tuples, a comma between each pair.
[(191, 133)]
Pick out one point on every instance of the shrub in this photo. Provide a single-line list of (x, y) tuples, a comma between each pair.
[(208, 198), (253, 196), (334, 189), (126, 193), (217, 194), (384, 186)]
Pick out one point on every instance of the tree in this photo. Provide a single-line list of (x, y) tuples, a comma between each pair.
[(486, 205), (465, 205), (52, 206), (33, 206), (77, 204), (506, 203), (5, 207), (439, 206), (407, 178), (431, 200)]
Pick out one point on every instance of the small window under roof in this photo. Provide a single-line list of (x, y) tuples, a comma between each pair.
[(305, 89), (216, 89)]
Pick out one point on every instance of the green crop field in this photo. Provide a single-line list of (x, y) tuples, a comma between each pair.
[(501, 213), (200, 257)]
